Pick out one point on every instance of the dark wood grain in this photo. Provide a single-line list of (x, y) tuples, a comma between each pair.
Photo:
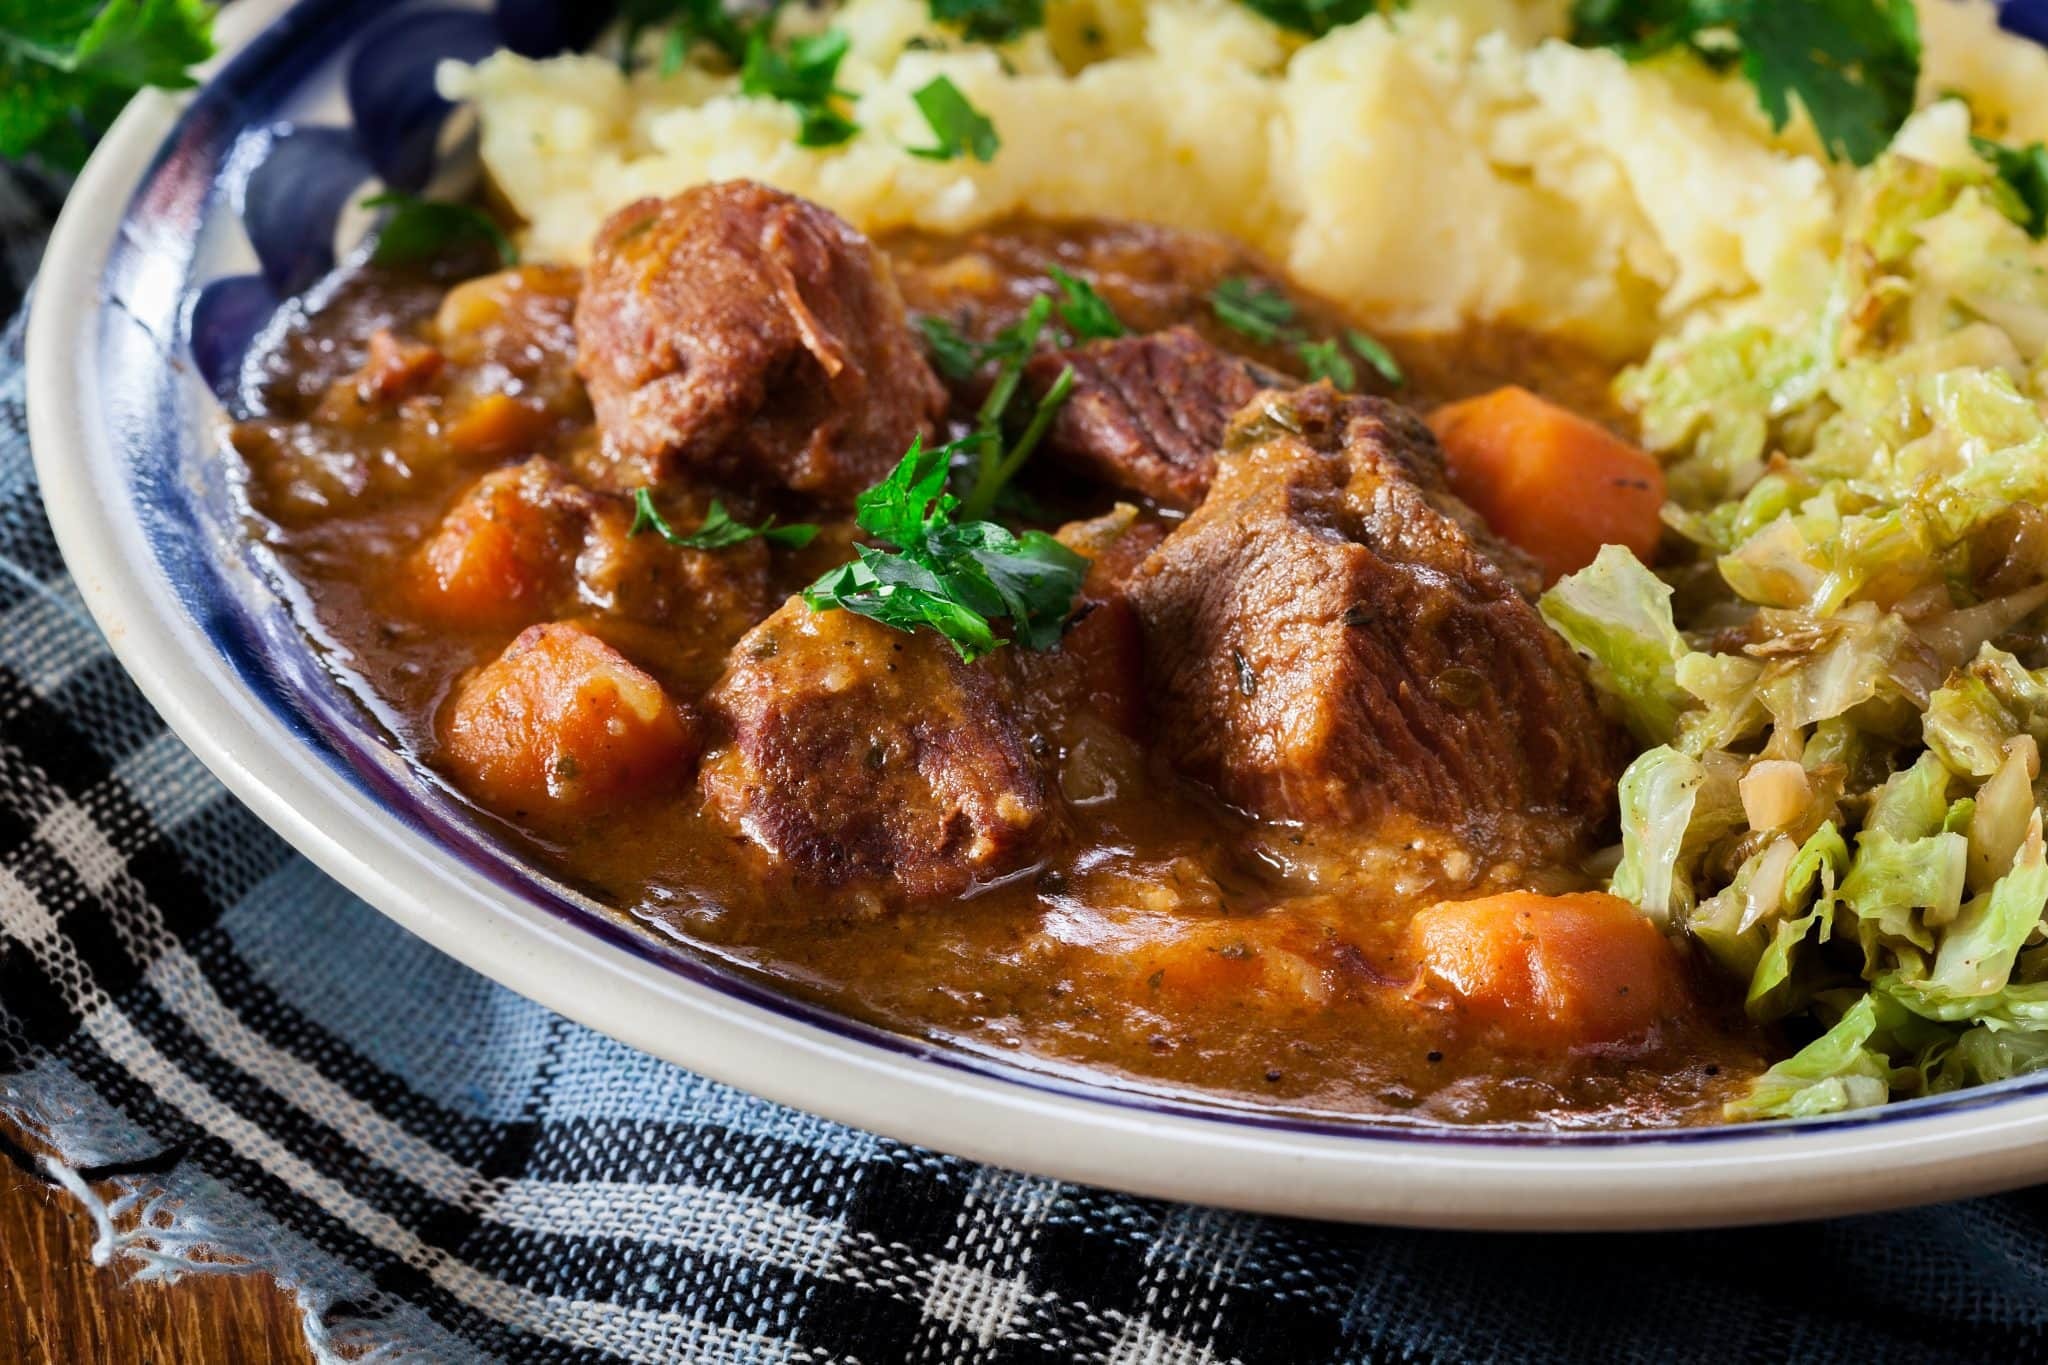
[(58, 1308)]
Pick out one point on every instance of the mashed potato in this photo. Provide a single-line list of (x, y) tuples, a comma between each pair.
[(1453, 162)]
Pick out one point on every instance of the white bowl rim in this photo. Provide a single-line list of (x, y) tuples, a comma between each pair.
[(1917, 1152)]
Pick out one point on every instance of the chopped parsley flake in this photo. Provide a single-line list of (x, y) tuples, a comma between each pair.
[(960, 128), (417, 230), (718, 529)]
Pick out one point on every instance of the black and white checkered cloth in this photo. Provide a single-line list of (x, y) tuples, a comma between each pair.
[(221, 1045)]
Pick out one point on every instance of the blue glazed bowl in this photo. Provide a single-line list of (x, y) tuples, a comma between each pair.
[(194, 225)]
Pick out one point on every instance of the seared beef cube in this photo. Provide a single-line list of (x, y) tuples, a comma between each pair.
[(738, 330), (1147, 413), (563, 723), (1085, 696), (1328, 643), (396, 368), (858, 753)]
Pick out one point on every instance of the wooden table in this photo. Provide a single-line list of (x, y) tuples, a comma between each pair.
[(58, 1308)]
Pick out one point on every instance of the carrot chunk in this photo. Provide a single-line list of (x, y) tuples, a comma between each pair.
[(504, 550), (1548, 480), (562, 722), (1547, 972)]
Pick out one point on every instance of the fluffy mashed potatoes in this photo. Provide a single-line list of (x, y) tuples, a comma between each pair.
[(1450, 163)]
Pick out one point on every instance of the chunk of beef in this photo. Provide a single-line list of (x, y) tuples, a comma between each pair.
[(1148, 413), (396, 368), (738, 330), (1086, 695), (526, 542), (1332, 639), (857, 753), (562, 723)]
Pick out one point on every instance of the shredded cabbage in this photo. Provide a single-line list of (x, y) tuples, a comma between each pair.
[(1858, 466)]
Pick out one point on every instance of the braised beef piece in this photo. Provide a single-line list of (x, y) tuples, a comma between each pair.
[(743, 332), (861, 754), (1333, 639), (1147, 413)]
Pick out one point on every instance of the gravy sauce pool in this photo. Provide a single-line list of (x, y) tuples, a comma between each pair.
[(1163, 940)]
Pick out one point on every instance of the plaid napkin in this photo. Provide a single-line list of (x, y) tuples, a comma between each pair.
[(222, 1053)]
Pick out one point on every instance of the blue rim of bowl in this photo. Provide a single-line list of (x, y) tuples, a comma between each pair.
[(300, 693)]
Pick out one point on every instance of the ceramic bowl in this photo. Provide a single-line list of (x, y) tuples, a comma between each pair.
[(196, 220)]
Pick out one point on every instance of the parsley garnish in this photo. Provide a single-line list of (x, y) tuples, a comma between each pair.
[(1258, 310), (956, 356), (1314, 17), (1253, 308), (802, 74), (67, 68), (2024, 172), (1374, 352), (990, 21), (954, 576), (418, 230), (958, 126), (718, 529), (1852, 64), (1087, 315), (690, 22), (1326, 360)]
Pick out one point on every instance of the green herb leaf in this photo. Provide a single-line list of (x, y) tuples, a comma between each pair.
[(953, 576), (67, 67), (689, 22), (418, 230), (954, 354), (1374, 353), (2023, 171), (1852, 64), (802, 74), (959, 127), (718, 529), (1314, 17), (1253, 308), (1087, 315), (990, 21), (1326, 360)]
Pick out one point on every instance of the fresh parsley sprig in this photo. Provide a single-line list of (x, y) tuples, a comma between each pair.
[(990, 21), (1086, 313), (2023, 174), (1851, 64), (417, 230), (689, 22), (961, 129), (718, 530), (1314, 17), (1255, 309), (67, 68), (1083, 315), (948, 572), (802, 73)]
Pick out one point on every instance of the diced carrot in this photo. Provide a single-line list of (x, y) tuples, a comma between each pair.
[(562, 722), (1548, 480), (1547, 973), (496, 424), (500, 552)]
